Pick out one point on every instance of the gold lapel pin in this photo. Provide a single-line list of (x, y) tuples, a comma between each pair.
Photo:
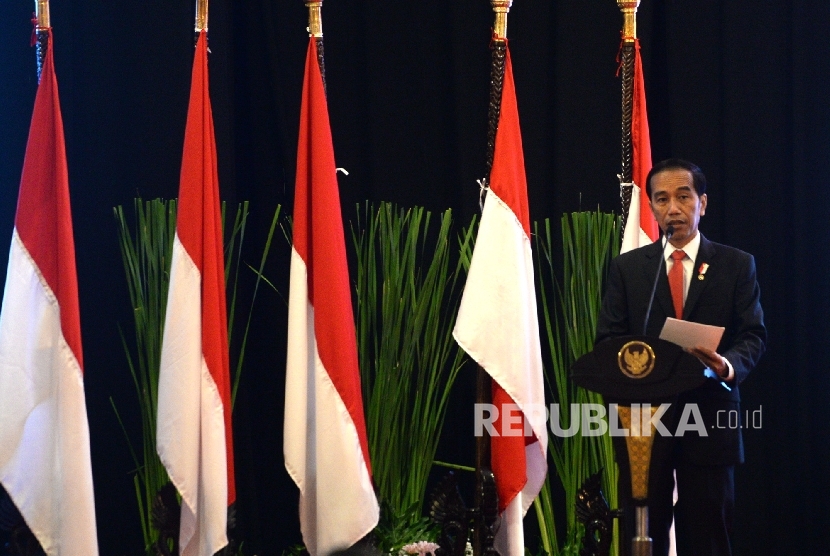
[(702, 271)]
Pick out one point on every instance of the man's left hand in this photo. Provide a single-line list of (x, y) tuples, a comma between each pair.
[(711, 359)]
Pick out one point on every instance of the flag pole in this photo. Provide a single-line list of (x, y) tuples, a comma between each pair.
[(46, 510), (42, 26), (486, 504), (315, 29), (629, 38), (641, 543)]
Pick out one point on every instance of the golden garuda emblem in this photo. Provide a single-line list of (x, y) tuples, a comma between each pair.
[(636, 359)]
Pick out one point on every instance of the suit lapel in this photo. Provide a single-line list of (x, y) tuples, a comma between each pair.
[(705, 255)]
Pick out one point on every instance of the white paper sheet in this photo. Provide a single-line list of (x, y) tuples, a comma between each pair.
[(689, 334)]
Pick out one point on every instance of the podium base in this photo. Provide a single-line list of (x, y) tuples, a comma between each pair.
[(641, 546)]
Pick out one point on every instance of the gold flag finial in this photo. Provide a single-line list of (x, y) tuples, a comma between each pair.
[(629, 10), (315, 17), (42, 14), (500, 7), (201, 15)]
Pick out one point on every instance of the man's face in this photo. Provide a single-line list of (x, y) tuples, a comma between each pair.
[(675, 203)]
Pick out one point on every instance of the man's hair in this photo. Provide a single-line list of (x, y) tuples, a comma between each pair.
[(698, 179)]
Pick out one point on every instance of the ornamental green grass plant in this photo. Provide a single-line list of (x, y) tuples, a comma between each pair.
[(570, 312), (408, 290), (146, 250)]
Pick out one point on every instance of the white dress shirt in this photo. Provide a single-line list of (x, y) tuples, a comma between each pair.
[(688, 262)]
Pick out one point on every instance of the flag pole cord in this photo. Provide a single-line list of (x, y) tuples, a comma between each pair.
[(626, 171), (315, 29), (629, 36), (499, 52), (40, 36)]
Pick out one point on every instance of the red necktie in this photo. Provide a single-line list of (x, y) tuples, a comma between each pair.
[(676, 282)]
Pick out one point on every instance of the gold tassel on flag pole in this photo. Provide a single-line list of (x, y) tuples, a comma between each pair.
[(629, 37), (42, 26)]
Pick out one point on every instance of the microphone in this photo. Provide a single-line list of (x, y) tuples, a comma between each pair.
[(669, 233)]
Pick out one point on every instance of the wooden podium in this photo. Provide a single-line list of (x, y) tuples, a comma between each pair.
[(639, 372)]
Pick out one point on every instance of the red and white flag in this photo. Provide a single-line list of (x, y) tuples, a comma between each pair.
[(325, 443), (194, 437), (641, 227), (497, 326), (44, 435)]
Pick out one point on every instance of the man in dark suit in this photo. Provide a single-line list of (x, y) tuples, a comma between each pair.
[(719, 287)]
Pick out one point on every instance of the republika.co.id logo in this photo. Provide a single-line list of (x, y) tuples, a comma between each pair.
[(593, 419)]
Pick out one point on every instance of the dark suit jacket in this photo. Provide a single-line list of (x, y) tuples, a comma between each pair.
[(728, 296)]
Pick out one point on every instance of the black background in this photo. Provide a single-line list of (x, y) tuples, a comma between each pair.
[(739, 87)]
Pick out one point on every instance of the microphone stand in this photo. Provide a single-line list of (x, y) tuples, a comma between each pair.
[(668, 234)]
